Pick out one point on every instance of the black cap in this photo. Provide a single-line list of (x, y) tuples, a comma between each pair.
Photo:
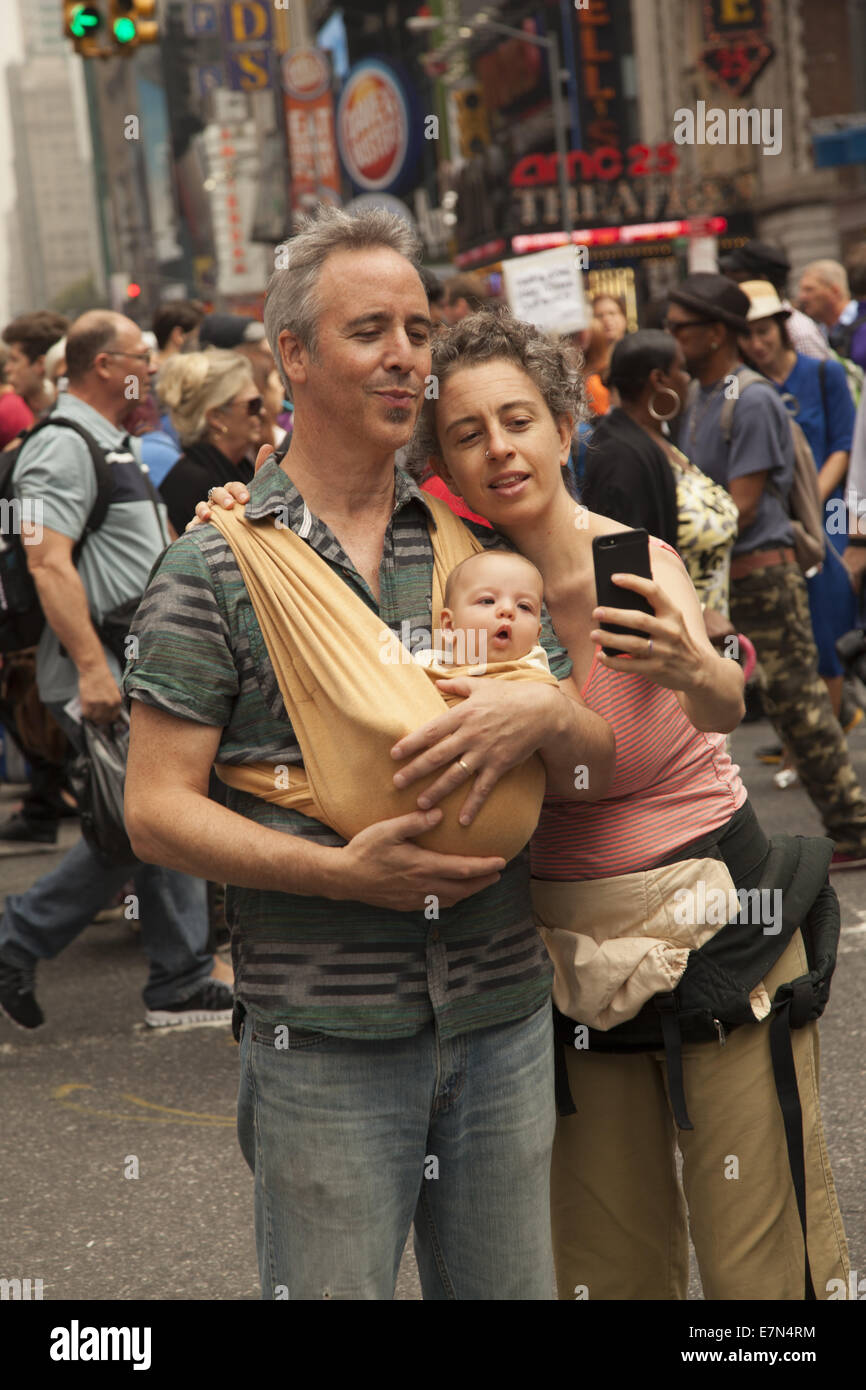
[(229, 331), (761, 260), (714, 298)]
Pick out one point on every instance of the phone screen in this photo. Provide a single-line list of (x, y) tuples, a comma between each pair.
[(621, 552)]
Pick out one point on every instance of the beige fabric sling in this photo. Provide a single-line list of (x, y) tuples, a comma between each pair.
[(351, 690)]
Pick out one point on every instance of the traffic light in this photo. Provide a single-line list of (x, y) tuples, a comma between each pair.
[(471, 122), (130, 23), (84, 25)]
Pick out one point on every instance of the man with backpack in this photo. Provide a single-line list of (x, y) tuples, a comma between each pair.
[(89, 570), (755, 461), (825, 296)]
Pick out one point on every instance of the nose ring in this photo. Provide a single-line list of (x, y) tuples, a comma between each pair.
[(487, 453)]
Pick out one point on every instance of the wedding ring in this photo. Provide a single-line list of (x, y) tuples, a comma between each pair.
[(210, 492), (649, 650), (461, 763)]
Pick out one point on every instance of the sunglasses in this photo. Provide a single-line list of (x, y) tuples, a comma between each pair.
[(676, 328), (254, 406)]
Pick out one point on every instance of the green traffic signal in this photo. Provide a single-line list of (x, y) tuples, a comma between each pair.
[(124, 30), (85, 20)]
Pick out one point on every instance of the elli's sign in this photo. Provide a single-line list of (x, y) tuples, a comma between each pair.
[(375, 125)]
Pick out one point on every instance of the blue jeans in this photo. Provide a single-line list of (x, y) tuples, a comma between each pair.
[(172, 911), (350, 1141)]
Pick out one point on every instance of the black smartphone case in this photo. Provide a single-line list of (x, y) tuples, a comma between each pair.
[(621, 552)]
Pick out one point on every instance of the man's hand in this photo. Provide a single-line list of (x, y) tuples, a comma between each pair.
[(499, 725), (99, 695), (381, 866)]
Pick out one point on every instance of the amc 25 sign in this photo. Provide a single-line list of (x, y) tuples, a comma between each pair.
[(605, 163)]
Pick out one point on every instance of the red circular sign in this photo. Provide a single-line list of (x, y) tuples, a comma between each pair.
[(373, 126)]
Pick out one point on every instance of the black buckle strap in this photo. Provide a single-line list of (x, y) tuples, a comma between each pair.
[(667, 1008), (785, 1075)]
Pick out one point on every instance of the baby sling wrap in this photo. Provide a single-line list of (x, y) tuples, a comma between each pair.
[(351, 690)]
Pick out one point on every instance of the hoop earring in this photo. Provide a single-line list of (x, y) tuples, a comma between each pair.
[(656, 415)]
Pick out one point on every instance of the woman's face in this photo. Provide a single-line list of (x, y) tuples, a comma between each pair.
[(610, 316), (763, 342), (502, 449), (237, 427)]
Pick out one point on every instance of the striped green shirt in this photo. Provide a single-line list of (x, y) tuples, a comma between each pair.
[(337, 967)]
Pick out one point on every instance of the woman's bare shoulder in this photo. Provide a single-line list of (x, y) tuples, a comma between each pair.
[(598, 525)]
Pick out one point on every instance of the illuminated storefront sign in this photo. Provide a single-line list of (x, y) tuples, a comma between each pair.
[(622, 236), (607, 163)]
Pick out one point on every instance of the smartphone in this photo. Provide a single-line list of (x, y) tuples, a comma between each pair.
[(622, 552)]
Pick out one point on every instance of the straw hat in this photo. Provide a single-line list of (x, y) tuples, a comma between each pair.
[(764, 300)]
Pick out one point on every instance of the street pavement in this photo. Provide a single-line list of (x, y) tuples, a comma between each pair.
[(94, 1097)]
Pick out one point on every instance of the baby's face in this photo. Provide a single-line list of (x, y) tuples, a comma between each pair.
[(499, 597)]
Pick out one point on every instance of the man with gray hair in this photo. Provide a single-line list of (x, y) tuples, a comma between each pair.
[(394, 1066), (825, 296), (78, 584)]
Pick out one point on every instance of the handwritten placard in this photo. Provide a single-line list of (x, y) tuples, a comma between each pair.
[(547, 290)]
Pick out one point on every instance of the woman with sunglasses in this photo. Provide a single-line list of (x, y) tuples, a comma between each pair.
[(217, 412)]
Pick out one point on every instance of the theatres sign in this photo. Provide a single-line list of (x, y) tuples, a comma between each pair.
[(645, 185)]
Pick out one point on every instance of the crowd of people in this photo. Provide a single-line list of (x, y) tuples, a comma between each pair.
[(384, 730)]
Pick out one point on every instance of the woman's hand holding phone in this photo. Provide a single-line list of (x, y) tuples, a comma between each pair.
[(665, 639), (663, 649)]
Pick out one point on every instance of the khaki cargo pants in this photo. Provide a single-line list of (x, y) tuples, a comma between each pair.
[(771, 606), (618, 1211)]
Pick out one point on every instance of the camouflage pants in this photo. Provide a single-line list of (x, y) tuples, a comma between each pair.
[(771, 607)]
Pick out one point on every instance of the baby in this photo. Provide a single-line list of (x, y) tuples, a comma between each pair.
[(491, 620)]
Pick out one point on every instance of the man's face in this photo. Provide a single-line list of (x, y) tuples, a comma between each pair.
[(366, 381), (696, 336), (129, 364), (818, 299), (24, 376)]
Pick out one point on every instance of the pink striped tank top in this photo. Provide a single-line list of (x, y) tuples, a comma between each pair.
[(671, 785)]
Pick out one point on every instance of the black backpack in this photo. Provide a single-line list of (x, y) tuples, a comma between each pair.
[(842, 335), (21, 616)]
